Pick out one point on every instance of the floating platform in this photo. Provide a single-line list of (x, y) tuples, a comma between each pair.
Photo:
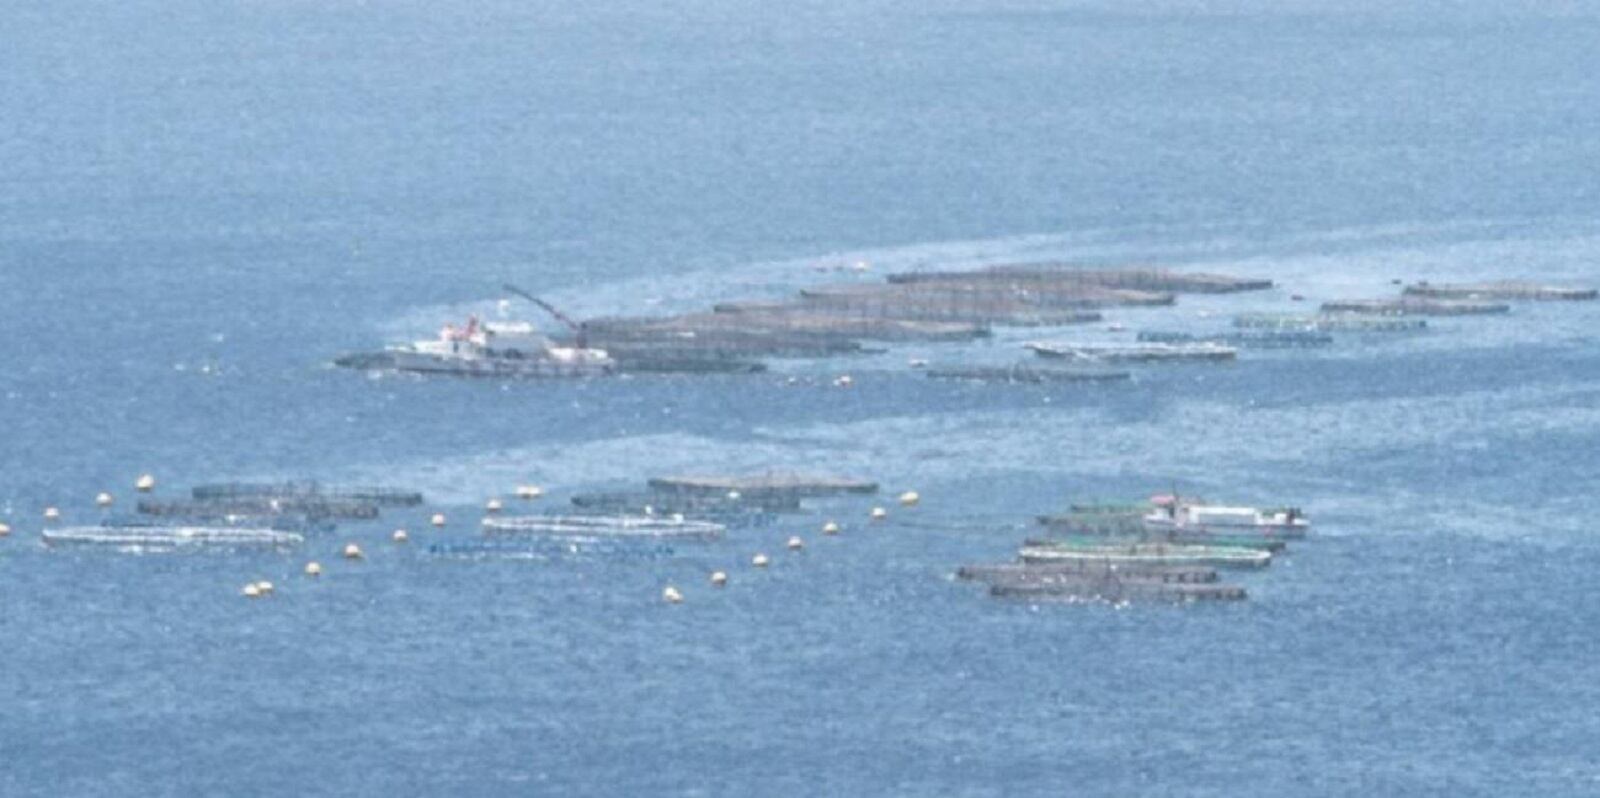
[(171, 537), (1415, 306), (1148, 554), (608, 527), (1503, 289), (1136, 278), (307, 490), (1133, 353), (1020, 572), (1248, 339), (1116, 591), (1025, 374), (761, 486), (1337, 322)]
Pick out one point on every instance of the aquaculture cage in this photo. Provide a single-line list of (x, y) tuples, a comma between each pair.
[(306, 490)]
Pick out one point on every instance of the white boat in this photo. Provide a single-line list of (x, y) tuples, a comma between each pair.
[(1173, 515), (171, 537), (495, 349), (603, 526)]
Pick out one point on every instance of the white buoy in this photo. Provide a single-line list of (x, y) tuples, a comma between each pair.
[(352, 552), (52, 514), (671, 595), (493, 506), (878, 513), (103, 500), (844, 381), (759, 561), (313, 568), (438, 519), (734, 495), (862, 266), (796, 544), (529, 492), (719, 578), (251, 591), (264, 587), (5, 529), (400, 536), (910, 497), (145, 483), (830, 528)]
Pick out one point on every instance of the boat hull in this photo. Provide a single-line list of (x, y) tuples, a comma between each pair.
[(495, 368)]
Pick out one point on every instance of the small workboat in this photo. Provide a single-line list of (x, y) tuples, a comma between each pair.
[(1173, 515), (496, 349)]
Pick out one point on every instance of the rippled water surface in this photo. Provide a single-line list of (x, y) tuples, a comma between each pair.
[(204, 203)]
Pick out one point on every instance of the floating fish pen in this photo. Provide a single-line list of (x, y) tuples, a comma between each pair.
[(1133, 529), (306, 490), (1036, 294), (683, 362), (722, 344), (1137, 279), (983, 308), (1096, 523), (1134, 353), (282, 522), (762, 486), (1339, 322), (1147, 553), (309, 507), (546, 548), (1249, 339), (1506, 289), (596, 526), (827, 323), (1109, 508), (644, 503), (1025, 374), (1115, 591), (1415, 306), (1021, 572), (1142, 534), (171, 537)]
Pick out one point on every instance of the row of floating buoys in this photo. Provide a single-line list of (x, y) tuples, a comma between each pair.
[(671, 595)]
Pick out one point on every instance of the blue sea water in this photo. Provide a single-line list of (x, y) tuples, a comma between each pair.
[(204, 203)]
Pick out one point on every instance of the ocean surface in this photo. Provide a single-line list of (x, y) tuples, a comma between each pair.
[(203, 203)]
